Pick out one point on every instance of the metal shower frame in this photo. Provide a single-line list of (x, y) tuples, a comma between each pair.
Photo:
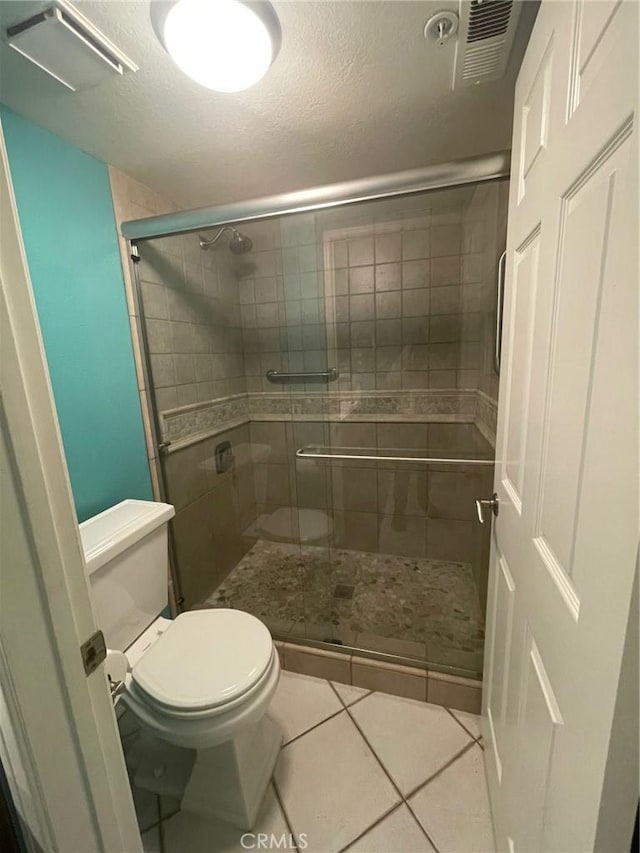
[(487, 167)]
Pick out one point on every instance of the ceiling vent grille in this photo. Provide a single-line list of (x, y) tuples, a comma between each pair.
[(66, 45), (487, 28), (488, 18)]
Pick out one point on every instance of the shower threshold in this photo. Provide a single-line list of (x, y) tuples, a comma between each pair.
[(415, 610)]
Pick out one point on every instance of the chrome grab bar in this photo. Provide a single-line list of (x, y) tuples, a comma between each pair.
[(502, 263), (316, 453), (282, 378)]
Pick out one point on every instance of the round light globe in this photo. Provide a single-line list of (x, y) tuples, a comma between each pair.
[(224, 45)]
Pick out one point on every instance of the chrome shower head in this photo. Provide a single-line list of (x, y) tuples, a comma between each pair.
[(239, 243)]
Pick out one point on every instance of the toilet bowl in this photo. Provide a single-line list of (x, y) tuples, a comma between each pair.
[(200, 684)]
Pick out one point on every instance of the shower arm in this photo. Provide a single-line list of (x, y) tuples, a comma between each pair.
[(206, 244)]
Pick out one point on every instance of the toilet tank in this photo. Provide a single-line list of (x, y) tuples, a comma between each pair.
[(126, 551)]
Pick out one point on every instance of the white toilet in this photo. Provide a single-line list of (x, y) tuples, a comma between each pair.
[(202, 681)]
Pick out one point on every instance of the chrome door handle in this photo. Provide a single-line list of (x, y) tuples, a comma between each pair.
[(492, 503)]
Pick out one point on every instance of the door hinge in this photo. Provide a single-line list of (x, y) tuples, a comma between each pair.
[(93, 651)]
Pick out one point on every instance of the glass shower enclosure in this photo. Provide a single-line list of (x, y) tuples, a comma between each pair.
[(325, 404)]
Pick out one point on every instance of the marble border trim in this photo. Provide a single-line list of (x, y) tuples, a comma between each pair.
[(189, 424), (199, 420), (486, 419), (358, 405)]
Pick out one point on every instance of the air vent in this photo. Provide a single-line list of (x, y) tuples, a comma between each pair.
[(488, 18), (486, 32), (67, 46)]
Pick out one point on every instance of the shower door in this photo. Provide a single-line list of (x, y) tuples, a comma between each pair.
[(395, 300), (324, 402)]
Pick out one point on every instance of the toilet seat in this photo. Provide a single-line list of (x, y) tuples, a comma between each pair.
[(140, 696), (205, 663), (208, 728)]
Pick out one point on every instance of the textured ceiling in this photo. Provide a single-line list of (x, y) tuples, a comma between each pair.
[(355, 91)]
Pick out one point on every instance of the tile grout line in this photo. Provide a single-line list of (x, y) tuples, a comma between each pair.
[(388, 775), (355, 701), (476, 739), (315, 726), (376, 822), (441, 770), (284, 813)]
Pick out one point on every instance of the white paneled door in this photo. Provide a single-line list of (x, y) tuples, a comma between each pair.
[(565, 539)]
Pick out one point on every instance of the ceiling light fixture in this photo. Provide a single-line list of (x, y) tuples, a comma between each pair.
[(225, 45)]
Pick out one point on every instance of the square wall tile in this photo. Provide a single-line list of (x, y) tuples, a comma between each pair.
[(388, 305), (355, 489), (356, 530), (444, 328), (445, 300), (388, 358), (388, 332), (445, 270), (363, 332), (361, 280), (388, 248), (388, 276), (415, 303), (415, 244), (361, 252), (403, 535), (361, 307), (415, 330), (402, 492), (445, 240), (415, 274)]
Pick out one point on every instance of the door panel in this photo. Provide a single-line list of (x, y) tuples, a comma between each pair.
[(498, 676), (567, 453), (540, 719), (521, 319)]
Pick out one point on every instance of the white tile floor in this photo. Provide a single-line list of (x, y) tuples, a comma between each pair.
[(359, 772)]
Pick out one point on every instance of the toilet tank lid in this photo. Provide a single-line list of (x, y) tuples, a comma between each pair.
[(113, 531)]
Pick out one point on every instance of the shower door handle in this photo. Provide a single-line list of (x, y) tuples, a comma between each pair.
[(492, 503)]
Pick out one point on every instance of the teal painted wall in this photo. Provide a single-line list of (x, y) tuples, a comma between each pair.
[(69, 231)]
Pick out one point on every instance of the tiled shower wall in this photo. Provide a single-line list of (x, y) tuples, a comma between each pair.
[(191, 303), (404, 303), (281, 288), (403, 318), (212, 511)]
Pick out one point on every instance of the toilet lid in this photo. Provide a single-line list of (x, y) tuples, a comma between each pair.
[(204, 659)]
